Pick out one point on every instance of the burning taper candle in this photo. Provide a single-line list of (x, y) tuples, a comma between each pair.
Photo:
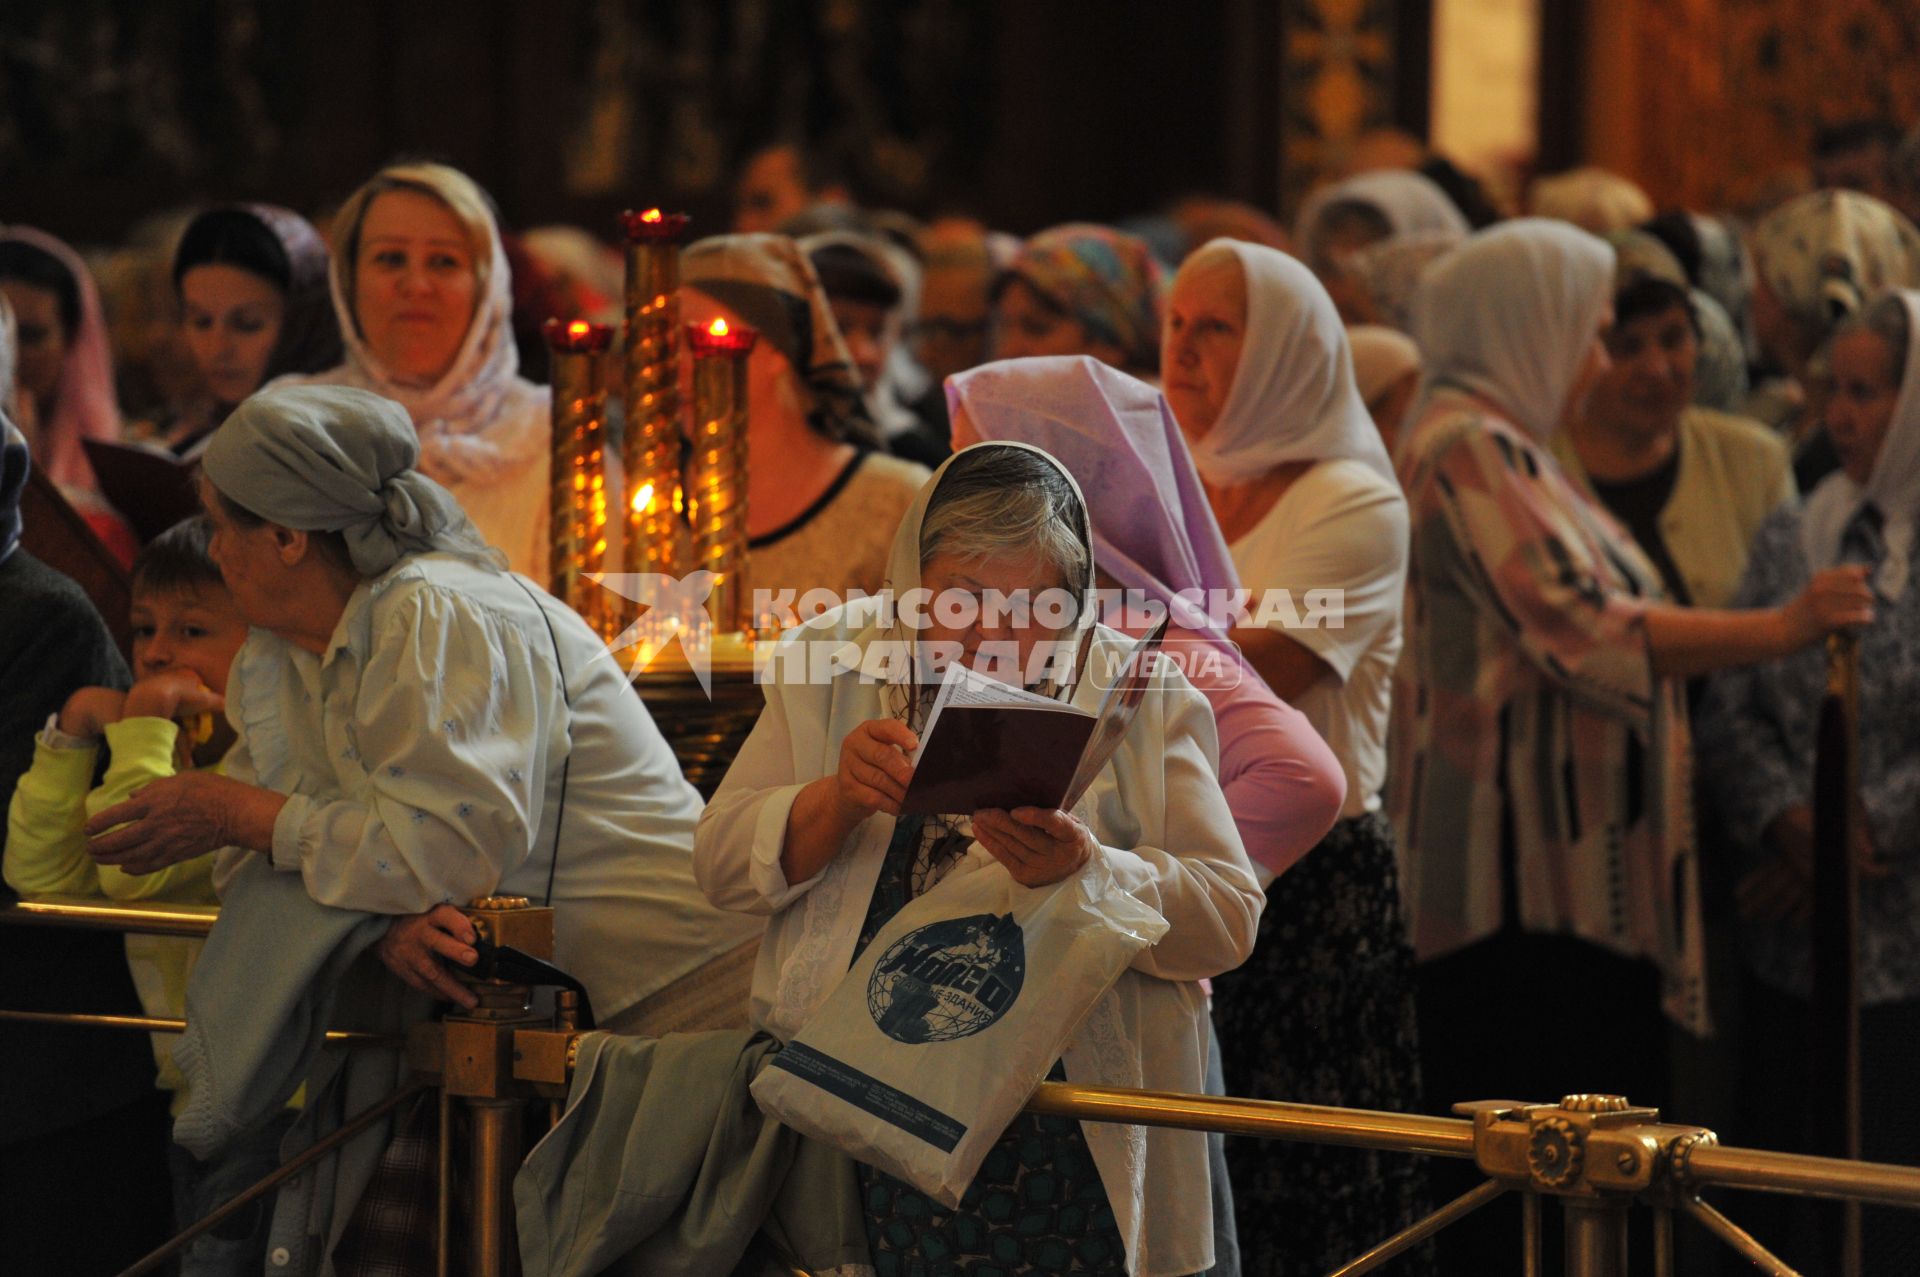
[(717, 472), (577, 497), (651, 446)]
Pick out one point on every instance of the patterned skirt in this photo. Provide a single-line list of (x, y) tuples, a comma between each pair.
[(1037, 1206), (1323, 1013)]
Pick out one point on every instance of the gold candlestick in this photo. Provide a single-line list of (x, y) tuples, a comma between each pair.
[(651, 448), (717, 472), (577, 498)]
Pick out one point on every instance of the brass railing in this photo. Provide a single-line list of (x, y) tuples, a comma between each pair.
[(1596, 1154)]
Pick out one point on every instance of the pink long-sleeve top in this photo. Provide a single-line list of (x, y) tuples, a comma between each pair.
[(1283, 784)]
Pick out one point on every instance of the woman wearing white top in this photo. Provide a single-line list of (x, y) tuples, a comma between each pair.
[(418, 727), (425, 303), (1260, 379), (805, 829)]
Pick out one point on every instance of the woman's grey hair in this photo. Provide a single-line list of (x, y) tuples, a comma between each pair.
[(1000, 500), (1886, 319)]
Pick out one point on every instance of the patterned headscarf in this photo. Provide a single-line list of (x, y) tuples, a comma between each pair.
[(1390, 271), (340, 459), (767, 281), (1106, 279), (1825, 255), (480, 422)]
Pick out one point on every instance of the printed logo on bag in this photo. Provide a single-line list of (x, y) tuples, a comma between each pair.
[(948, 979)]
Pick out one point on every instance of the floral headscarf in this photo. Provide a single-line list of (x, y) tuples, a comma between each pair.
[(1106, 279)]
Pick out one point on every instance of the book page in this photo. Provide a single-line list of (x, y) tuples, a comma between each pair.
[(969, 689), (1117, 710)]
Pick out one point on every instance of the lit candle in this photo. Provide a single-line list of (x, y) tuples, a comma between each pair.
[(717, 472), (577, 497), (651, 446)]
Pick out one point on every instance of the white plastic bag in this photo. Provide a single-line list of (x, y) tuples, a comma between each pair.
[(939, 1032)]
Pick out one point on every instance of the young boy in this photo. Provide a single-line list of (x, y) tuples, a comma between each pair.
[(186, 631)]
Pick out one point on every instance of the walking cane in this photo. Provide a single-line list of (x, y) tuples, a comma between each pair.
[(1835, 1041)]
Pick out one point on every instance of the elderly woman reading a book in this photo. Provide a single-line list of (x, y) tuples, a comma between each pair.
[(808, 827)]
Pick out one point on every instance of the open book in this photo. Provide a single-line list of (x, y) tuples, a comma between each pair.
[(987, 744)]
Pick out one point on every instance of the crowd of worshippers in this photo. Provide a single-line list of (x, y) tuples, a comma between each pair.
[(1535, 816)]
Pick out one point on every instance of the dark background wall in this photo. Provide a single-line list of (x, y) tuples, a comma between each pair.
[(568, 110)]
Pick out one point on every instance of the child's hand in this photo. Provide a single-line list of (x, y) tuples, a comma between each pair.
[(171, 694), (89, 710)]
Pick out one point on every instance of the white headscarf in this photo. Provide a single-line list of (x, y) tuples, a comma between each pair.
[(480, 422), (1893, 488), (1293, 396), (1511, 314), (903, 577), (1411, 203)]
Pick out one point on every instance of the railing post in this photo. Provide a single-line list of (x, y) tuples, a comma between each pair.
[(1596, 1236), (496, 1156)]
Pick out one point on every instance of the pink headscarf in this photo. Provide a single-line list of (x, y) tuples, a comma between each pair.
[(1152, 527), (84, 404)]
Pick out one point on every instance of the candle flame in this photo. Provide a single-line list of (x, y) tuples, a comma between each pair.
[(651, 215), (643, 498), (578, 328), (718, 328)]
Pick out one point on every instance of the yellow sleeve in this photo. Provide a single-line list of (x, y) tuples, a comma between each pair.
[(46, 852), (140, 751)]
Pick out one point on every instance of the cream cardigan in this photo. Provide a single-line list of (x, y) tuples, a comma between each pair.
[(1733, 473)]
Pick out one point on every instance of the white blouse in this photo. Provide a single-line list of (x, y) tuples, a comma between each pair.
[(1164, 827), (426, 754), (1339, 527)]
